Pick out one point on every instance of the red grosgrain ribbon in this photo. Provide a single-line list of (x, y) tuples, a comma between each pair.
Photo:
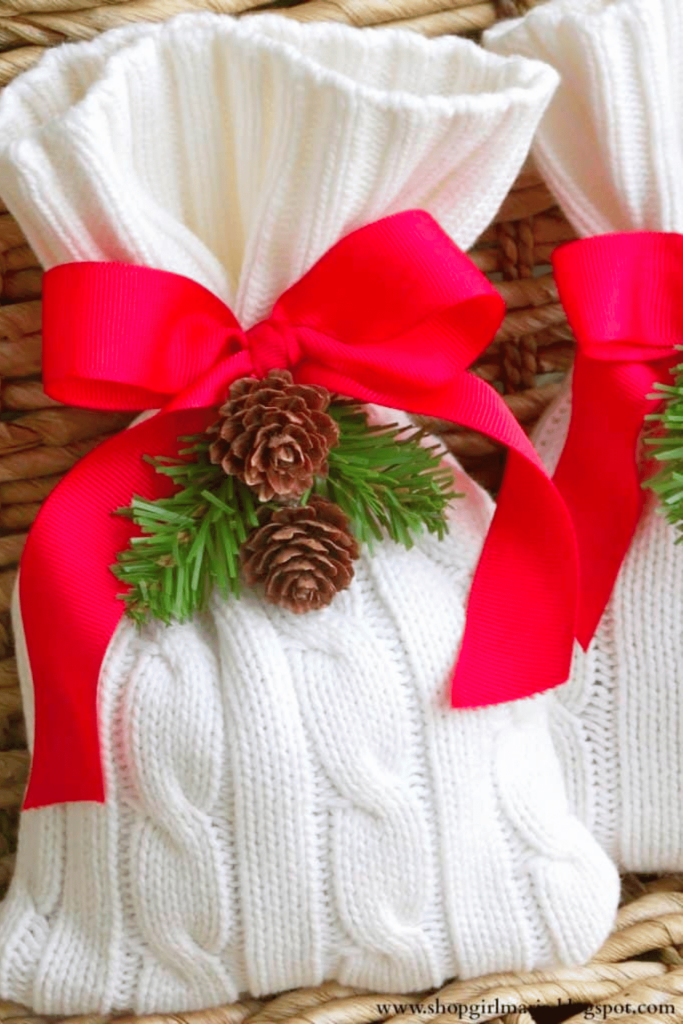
[(393, 314), (623, 297)]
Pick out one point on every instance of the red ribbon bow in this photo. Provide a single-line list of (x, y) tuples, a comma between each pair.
[(622, 296), (393, 314)]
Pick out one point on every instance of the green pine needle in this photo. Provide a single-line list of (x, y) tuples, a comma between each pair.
[(668, 449), (385, 480), (189, 542)]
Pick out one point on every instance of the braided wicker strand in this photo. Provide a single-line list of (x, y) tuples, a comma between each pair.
[(27, 28)]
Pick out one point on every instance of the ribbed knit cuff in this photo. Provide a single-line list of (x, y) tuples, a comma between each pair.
[(237, 151), (610, 143)]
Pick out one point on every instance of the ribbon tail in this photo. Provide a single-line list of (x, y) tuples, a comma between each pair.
[(598, 475), (68, 600), (521, 613), (621, 293)]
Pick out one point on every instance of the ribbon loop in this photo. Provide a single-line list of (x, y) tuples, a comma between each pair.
[(622, 296), (421, 314)]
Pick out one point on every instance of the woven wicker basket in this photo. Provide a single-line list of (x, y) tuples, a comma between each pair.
[(641, 965)]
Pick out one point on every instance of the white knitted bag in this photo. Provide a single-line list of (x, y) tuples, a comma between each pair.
[(610, 147), (289, 798)]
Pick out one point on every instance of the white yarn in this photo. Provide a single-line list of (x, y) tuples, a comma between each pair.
[(328, 131), (610, 147), (290, 798)]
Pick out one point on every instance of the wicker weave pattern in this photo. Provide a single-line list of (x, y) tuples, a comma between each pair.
[(40, 441), (26, 28)]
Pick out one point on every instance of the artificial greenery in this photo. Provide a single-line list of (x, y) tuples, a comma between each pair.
[(189, 542), (667, 447), (385, 480), (383, 477)]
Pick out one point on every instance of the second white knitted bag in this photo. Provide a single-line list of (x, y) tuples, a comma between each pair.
[(610, 149), (288, 797)]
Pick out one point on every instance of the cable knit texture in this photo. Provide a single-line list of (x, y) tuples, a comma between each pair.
[(610, 147), (289, 797)]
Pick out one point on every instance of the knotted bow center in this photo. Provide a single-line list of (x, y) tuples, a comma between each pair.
[(273, 345)]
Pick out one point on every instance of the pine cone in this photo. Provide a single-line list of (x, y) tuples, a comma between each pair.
[(303, 555), (275, 435)]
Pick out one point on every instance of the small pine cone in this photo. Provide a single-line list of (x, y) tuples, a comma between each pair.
[(303, 556), (275, 435)]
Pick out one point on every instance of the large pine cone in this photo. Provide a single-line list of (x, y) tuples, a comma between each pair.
[(275, 435), (303, 556)]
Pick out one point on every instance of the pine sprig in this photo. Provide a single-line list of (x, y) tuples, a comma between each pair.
[(383, 477), (668, 449), (385, 480), (190, 542)]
